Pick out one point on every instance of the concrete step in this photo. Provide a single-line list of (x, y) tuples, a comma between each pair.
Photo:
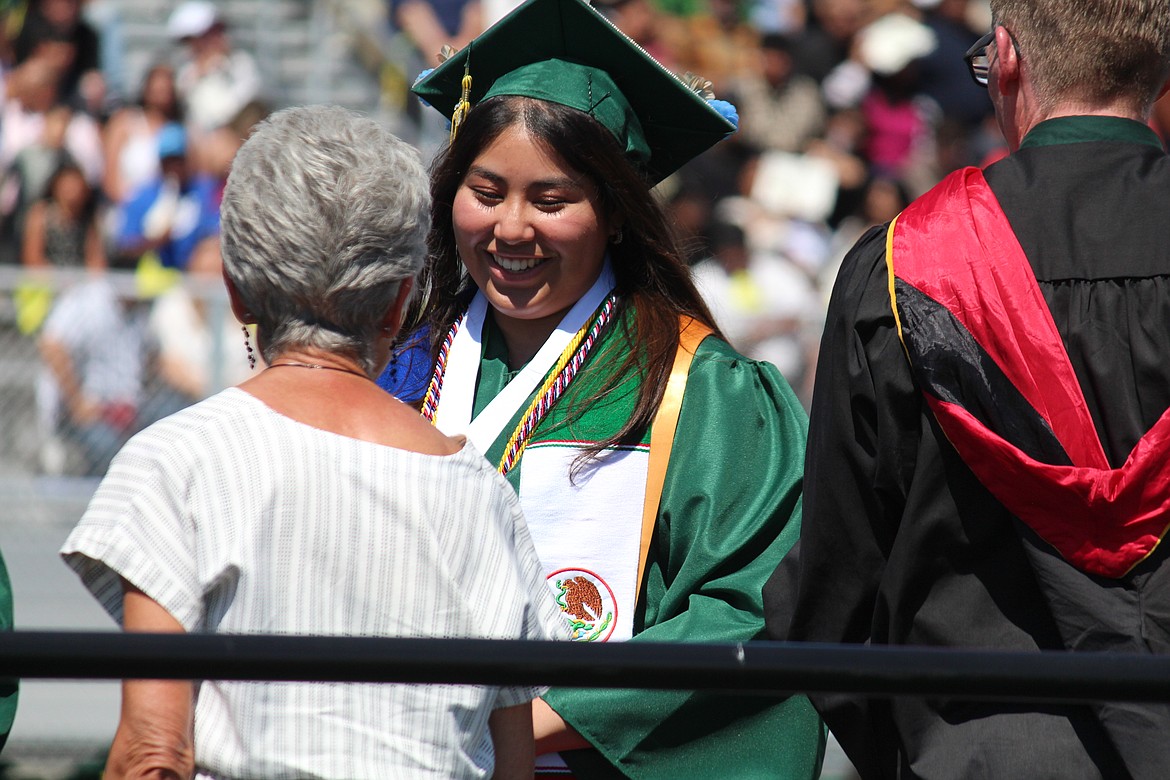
[(303, 54)]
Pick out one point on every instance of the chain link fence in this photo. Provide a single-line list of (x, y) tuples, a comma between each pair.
[(112, 351)]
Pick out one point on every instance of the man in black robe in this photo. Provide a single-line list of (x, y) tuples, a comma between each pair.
[(989, 428)]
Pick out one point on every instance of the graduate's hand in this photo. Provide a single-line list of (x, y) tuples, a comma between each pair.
[(551, 732)]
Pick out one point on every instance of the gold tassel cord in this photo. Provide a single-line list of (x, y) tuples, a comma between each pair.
[(464, 104)]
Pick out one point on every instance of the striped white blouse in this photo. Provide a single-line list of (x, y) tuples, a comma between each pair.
[(237, 519)]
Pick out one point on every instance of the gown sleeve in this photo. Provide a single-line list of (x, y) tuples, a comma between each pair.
[(861, 452), (730, 510), (9, 690), (408, 373)]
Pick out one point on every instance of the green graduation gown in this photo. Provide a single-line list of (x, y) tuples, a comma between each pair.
[(8, 688), (730, 510)]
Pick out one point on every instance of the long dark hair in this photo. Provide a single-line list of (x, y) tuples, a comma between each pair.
[(175, 113), (652, 278), (67, 165)]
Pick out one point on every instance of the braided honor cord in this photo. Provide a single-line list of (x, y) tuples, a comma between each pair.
[(431, 400), (570, 361)]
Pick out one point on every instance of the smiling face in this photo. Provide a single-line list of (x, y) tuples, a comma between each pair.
[(530, 231)]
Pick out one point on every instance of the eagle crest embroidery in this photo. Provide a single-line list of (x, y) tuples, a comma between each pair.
[(580, 600)]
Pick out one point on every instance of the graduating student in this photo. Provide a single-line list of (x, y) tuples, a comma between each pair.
[(568, 342)]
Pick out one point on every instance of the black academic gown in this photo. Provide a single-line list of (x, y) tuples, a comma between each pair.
[(902, 545)]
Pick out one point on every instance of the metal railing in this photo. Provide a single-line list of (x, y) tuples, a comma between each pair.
[(762, 668)]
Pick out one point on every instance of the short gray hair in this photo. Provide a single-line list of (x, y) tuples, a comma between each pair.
[(324, 215)]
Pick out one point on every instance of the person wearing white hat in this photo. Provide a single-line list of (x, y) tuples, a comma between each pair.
[(659, 470), (217, 80)]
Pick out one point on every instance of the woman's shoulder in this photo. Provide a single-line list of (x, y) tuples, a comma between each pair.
[(717, 356), (468, 463), (399, 426), (722, 376), (227, 404), (188, 444), (218, 418), (119, 122), (716, 367)]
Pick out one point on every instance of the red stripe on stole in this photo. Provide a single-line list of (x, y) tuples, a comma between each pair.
[(1104, 521), (999, 303)]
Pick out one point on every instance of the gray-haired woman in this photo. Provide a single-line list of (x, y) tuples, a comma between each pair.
[(308, 501)]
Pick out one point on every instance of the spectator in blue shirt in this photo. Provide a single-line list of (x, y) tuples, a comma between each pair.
[(172, 214)]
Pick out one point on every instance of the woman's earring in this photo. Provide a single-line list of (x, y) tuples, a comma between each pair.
[(617, 237), (248, 346)]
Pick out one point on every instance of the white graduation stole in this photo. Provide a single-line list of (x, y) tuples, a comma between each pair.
[(587, 530), (457, 395), (587, 533)]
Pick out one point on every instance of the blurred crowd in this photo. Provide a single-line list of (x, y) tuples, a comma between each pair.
[(93, 177), (97, 175), (848, 109)]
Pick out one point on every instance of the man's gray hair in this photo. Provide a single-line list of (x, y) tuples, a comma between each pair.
[(324, 215)]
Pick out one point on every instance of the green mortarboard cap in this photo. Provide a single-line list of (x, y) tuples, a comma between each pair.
[(564, 51)]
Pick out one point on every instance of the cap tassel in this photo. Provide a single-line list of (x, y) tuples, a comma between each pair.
[(464, 104)]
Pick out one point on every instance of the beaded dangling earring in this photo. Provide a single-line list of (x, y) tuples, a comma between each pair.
[(617, 237), (248, 346)]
